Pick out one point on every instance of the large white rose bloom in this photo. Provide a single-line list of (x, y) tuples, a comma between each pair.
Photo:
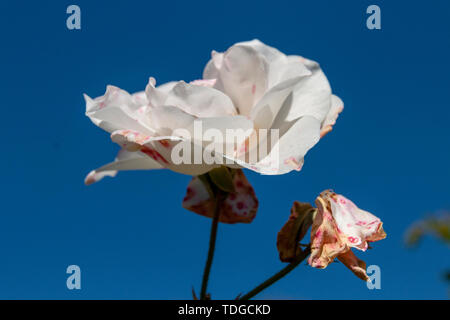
[(249, 87)]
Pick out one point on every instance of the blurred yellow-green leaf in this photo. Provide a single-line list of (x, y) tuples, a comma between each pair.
[(437, 225)]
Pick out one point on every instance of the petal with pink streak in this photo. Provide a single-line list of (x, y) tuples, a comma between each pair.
[(158, 149), (204, 82), (326, 240)]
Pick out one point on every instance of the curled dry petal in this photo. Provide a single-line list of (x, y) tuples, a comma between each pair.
[(357, 266), (325, 242), (238, 206), (294, 230), (338, 226)]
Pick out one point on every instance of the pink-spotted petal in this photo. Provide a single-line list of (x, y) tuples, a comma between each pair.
[(359, 226), (337, 227), (238, 207)]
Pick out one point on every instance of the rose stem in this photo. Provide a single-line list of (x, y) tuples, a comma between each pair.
[(302, 256), (212, 246)]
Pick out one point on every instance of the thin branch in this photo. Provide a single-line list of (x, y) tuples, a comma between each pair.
[(302, 256), (212, 245)]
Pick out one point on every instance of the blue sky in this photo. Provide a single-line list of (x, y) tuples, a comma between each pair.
[(389, 151)]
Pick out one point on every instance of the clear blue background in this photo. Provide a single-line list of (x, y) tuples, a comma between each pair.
[(389, 151)]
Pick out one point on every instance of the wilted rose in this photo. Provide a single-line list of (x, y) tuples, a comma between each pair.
[(338, 226)]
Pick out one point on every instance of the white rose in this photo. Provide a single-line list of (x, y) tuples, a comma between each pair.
[(249, 87)]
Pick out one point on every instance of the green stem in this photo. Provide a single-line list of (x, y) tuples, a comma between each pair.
[(212, 246), (302, 256)]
